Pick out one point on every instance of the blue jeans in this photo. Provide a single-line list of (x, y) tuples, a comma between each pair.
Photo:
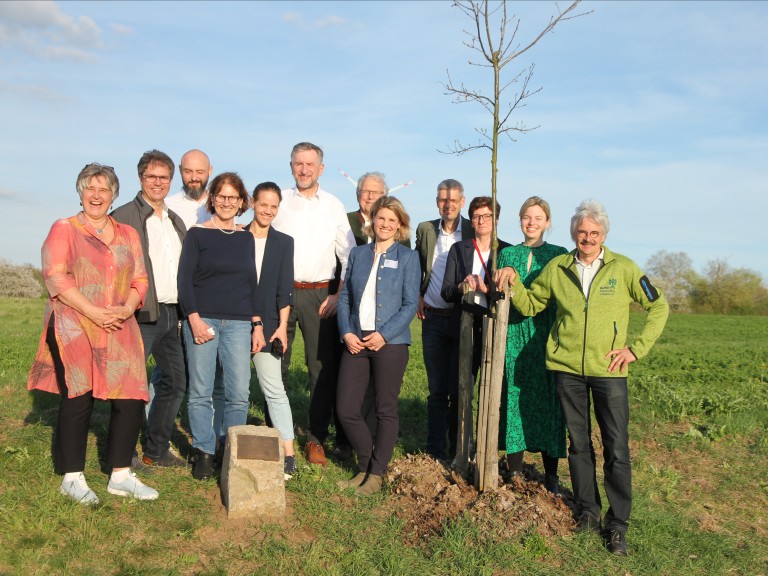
[(232, 346), (611, 401), (441, 350), (271, 382), (161, 339)]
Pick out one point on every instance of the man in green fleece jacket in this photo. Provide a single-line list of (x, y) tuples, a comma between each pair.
[(588, 353)]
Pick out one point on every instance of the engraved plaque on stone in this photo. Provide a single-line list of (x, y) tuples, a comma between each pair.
[(251, 447)]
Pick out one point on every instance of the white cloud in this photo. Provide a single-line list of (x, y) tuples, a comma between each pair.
[(121, 29), (43, 29), (30, 91), (329, 21)]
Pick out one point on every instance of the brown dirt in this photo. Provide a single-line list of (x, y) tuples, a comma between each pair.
[(426, 495)]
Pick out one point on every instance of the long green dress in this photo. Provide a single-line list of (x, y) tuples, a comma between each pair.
[(531, 418)]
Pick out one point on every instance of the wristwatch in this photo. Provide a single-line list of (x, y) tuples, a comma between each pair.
[(255, 323)]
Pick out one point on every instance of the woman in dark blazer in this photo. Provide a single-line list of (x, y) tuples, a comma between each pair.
[(274, 267), (377, 302), (469, 261)]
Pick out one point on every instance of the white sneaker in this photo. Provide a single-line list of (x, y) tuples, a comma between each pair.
[(132, 487), (79, 491)]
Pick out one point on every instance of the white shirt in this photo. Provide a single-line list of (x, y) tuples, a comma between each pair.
[(587, 272), (164, 252), (320, 231), (190, 210), (477, 268), (368, 299), (439, 260), (261, 244)]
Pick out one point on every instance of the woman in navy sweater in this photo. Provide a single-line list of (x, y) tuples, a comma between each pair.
[(218, 297), (378, 300)]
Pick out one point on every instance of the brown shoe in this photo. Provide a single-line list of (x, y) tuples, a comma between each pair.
[(353, 483), (370, 486), (315, 453)]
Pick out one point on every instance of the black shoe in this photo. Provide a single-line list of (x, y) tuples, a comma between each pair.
[(203, 466), (587, 524), (167, 460), (617, 543), (342, 452), (289, 467), (552, 483)]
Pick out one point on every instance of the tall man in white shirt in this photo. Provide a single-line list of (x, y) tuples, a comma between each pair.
[(161, 233), (318, 224), (190, 203), (439, 339)]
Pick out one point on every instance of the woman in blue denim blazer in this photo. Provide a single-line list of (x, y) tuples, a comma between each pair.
[(377, 302)]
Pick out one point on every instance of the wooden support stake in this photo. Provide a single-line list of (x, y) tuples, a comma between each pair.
[(466, 391)]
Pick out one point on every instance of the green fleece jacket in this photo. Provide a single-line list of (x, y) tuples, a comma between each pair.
[(585, 330)]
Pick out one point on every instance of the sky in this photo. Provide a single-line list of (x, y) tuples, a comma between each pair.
[(657, 109)]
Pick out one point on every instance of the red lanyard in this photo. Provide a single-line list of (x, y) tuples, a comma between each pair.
[(477, 248)]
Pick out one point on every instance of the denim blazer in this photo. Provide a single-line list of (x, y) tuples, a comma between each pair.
[(397, 292)]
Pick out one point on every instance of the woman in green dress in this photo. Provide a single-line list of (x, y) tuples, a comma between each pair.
[(531, 418)]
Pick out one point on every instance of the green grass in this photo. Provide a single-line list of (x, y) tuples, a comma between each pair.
[(699, 436)]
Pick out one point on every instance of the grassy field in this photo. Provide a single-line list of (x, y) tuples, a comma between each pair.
[(699, 436)]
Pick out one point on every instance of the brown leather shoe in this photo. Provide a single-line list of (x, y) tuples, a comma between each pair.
[(315, 453)]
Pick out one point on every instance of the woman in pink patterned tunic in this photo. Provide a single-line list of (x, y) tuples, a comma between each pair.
[(91, 347)]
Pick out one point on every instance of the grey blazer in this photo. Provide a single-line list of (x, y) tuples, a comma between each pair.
[(426, 238)]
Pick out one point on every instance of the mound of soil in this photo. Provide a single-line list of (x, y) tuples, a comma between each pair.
[(427, 495)]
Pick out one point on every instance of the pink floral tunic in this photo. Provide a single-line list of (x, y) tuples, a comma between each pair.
[(111, 364)]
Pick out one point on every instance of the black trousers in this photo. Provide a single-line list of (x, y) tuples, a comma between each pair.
[(384, 370), (611, 401), (321, 354), (74, 420)]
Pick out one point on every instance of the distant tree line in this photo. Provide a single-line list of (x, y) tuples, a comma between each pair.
[(721, 289)]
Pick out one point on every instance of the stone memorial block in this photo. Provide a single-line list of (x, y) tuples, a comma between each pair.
[(252, 479)]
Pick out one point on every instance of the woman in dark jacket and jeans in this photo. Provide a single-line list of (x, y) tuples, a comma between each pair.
[(377, 303)]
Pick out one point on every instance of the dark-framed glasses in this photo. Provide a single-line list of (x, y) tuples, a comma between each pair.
[(222, 199), (156, 178)]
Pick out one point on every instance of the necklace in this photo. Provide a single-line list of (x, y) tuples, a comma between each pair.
[(213, 221), (99, 230)]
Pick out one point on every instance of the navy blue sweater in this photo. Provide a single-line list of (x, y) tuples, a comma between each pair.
[(217, 275)]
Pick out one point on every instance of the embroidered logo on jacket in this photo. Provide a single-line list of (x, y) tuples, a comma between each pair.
[(609, 289)]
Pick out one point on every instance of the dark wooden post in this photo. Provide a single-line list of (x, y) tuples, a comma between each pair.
[(464, 445)]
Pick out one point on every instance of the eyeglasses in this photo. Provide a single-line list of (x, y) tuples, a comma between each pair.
[(156, 178), (482, 217), (453, 201), (374, 193), (220, 199), (584, 233)]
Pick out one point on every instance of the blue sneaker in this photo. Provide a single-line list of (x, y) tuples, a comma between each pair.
[(79, 491), (132, 487)]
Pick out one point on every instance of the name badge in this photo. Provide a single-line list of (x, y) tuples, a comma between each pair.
[(390, 263)]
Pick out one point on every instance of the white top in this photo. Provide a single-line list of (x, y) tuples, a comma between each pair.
[(439, 260), (164, 252), (366, 222), (191, 211), (320, 231), (261, 243), (587, 272), (368, 300), (477, 268)]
